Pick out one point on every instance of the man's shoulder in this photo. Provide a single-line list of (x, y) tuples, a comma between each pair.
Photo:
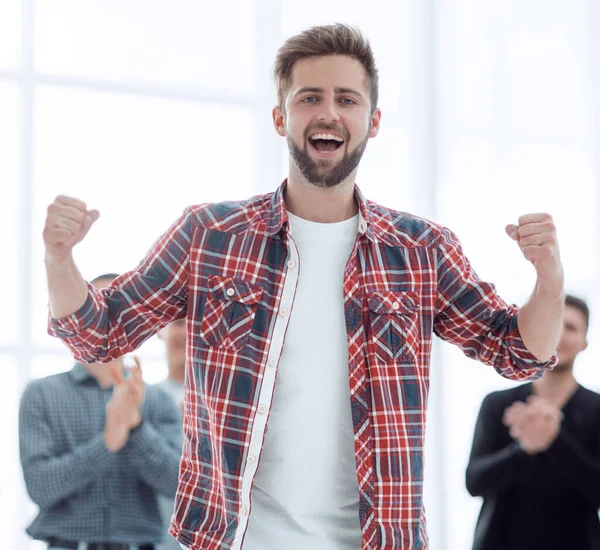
[(231, 216), (50, 387), (406, 229), (508, 396), (590, 396)]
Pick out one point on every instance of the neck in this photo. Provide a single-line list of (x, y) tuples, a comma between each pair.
[(320, 204), (556, 386), (177, 373)]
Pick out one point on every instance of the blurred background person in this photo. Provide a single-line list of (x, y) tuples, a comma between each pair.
[(97, 448), (535, 458)]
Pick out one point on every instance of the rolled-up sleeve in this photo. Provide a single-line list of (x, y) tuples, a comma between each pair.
[(470, 314), (116, 320)]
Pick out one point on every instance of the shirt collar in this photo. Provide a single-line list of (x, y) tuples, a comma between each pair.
[(80, 374), (278, 218)]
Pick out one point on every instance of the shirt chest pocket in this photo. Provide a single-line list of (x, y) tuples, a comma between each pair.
[(394, 318), (229, 310)]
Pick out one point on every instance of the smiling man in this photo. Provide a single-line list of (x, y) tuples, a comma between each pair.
[(310, 311), (325, 148)]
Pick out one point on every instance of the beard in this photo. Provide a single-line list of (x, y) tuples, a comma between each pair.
[(321, 173)]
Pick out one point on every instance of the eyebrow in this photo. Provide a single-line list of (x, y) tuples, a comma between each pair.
[(314, 90)]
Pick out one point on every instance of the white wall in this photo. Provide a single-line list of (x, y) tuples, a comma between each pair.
[(141, 107)]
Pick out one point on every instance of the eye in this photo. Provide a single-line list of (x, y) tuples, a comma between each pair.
[(347, 101), (309, 99)]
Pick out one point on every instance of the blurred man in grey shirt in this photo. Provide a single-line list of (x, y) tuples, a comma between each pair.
[(98, 447)]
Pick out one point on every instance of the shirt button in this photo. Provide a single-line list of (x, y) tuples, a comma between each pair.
[(251, 459), (262, 409), (283, 312), (291, 264), (362, 227), (230, 292), (243, 512), (396, 305), (272, 361)]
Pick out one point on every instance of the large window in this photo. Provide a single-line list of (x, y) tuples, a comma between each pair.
[(515, 137), (182, 44), (10, 35), (142, 108), (9, 219)]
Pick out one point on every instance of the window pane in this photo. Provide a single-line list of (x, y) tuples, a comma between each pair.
[(386, 25), (181, 43), (15, 507), (10, 33), (465, 72), (140, 161), (520, 66), (9, 176), (547, 57)]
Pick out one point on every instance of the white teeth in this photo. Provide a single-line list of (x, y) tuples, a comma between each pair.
[(327, 136)]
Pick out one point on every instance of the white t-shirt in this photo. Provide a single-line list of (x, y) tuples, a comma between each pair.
[(305, 493)]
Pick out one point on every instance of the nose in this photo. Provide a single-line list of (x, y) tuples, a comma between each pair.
[(329, 110)]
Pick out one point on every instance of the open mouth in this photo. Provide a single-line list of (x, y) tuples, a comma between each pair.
[(325, 143)]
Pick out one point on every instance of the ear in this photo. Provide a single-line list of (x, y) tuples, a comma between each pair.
[(279, 121), (375, 122)]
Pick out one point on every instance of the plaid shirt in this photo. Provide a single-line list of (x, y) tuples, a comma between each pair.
[(231, 269)]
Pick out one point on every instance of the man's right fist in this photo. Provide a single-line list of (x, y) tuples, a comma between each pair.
[(67, 223)]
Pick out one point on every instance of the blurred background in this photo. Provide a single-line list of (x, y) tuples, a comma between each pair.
[(491, 109)]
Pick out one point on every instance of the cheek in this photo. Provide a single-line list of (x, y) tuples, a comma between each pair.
[(293, 120), (358, 129), (296, 127)]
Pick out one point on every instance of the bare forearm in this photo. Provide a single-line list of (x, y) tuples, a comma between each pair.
[(67, 289), (540, 319)]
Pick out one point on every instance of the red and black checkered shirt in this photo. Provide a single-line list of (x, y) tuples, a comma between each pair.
[(228, 269)]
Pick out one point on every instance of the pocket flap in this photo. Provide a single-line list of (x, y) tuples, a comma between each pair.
[(234, 290), (395, 303)]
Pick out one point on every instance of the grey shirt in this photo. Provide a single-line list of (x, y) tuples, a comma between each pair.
[(84, 492)]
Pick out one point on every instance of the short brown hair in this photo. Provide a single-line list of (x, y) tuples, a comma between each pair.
[(336, 39)]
